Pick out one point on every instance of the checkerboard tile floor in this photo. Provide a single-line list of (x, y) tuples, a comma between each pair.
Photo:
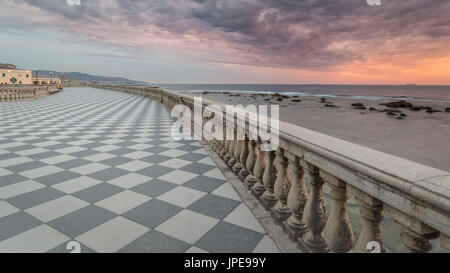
[(99, 167)]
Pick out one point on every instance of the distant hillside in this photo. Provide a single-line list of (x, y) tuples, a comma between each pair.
[(91, 78)]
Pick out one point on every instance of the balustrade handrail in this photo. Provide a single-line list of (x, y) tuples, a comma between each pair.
[(416, 190)]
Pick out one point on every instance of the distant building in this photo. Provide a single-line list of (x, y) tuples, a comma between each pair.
[(46, 80), (7, 66), (14, 76)]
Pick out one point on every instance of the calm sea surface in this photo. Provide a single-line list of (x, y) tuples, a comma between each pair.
[(407, 92)]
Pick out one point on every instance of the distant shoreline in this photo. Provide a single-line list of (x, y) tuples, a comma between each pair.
[(373, 92)]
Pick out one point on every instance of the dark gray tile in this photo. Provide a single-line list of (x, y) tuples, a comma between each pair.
[(98, 192), (121, 151), (229, 238), (108, 174), (214, 206), (16, 223), (127, 143), (188, 148), (152, 213), (11, 179), (192, 156), (72, 164), (93, 145), (34, 198), (154, 188), (21, 148), (8, 156), (26, 166), (156, 142), (82, 220), (155, 242), (203, 183), (57, 146), (155, 171), (34, 141), (116, 161), (197, 168), (156, 149), (56, 178), (84, 153), (155, 159), (44, 155), (69, 139)]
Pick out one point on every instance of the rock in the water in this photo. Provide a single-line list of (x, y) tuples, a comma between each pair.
[(357, 104), (447, 110), (372, 109), (279, 99), (391, 114), (330, 105), (360, 107), (296, 100), (403, 115), (392, 110), (399, 104)]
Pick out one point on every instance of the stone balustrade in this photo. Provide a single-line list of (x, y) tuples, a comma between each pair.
[(25, 92), (290, 183)]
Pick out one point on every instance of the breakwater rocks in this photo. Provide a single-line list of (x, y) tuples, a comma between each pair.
[(393, 108)]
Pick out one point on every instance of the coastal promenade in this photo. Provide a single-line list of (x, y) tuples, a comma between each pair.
[(99, 167)]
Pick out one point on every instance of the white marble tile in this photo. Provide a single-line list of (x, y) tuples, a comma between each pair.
[(37, 240), (187, 226), (56, 208), (123, 201)]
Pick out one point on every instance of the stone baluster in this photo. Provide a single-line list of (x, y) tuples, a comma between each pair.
[(243, 160), (224, 154), (417, 242), (250, 179), (445, 242), (230, 151), (280, 212), (241, 157), (249, 162), (258, 186), (371, 212), (231, 161), (294, 226), (224, 150), (315, 213), (338, 232), (222, 141), (236, 155), (268, 198), (415, 235)]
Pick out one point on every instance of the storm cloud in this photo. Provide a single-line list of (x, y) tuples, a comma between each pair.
[(308, 34)]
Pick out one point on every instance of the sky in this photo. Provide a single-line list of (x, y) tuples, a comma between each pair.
[(233, 41)]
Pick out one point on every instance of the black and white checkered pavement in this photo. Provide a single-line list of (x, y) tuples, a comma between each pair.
[(100, 168)]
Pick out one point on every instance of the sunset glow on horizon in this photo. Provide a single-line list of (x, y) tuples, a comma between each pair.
[(233, 41)]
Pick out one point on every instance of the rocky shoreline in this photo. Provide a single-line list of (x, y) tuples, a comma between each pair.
[(414, 130)]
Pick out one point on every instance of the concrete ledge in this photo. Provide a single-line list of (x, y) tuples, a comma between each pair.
[(26, 92)]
